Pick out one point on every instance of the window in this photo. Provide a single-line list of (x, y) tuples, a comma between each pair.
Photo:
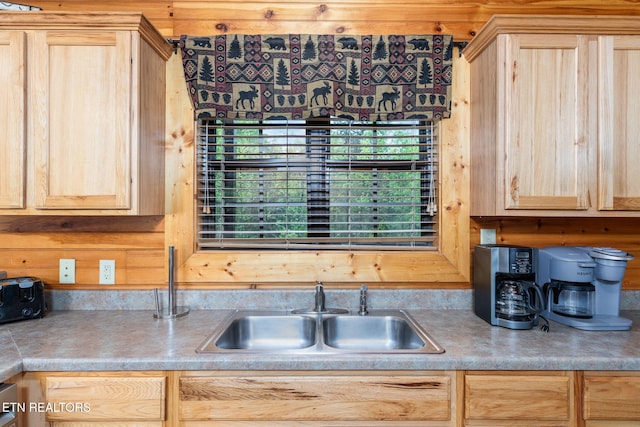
[(444, 265), (323, 183)]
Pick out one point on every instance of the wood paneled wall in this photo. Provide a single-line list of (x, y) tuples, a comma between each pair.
[(33, 245), (461, 18)]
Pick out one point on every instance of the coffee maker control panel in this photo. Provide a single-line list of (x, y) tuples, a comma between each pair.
[(521, 261)]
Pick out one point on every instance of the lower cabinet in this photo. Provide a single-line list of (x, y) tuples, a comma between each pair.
[(611, 399), (315, 398), (517, 398), (331, 398), (100, 399)]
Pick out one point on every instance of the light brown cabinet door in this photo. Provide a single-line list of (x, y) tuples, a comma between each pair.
[(310, 397), (13, 170), (81, 115), (106, 424), (611, 397), (522, 399), (105, 398), (545, 121), (619, 123)]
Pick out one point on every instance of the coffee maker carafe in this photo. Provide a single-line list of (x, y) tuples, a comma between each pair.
[(582, 286), (571, 299), (505, 293)]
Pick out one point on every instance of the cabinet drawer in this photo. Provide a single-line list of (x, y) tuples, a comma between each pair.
[(83, 398), (314, 397), (106, 424), (517, 397), (611, 397)]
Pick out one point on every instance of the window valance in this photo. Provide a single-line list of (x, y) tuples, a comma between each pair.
[(297, 76)]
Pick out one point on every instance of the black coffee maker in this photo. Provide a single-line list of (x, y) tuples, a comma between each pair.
[(505, 293)]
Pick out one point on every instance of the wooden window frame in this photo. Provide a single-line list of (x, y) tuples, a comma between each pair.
[(448, 266)]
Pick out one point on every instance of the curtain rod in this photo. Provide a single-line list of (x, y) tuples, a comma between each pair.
[(176, 43)]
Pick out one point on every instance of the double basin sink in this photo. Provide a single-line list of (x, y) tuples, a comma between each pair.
[(380, 331)]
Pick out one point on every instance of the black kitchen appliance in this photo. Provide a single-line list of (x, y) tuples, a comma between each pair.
[(21, 298), (505, 293)]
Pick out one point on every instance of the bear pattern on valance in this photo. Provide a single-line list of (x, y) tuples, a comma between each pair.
[(295, 76)]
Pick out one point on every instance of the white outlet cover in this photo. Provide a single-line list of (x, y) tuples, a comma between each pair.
[(487, 236), (107, 272)]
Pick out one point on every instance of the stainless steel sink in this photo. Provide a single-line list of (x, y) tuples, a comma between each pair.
[(258, 332), (371, 333), (381, 331)]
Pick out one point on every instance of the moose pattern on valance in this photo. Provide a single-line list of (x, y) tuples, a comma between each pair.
[(295, 76)]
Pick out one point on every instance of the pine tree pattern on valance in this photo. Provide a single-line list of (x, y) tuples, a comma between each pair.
[(295, 76)]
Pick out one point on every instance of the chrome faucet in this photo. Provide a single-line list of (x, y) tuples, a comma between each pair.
[(320, 298), (319, 306), (363, 301)]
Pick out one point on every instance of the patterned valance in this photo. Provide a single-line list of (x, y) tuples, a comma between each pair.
[(297, 76)]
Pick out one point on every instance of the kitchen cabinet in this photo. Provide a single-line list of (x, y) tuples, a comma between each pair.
[(317, 398), (91, 399), (553, 122), (12, 110), (611, 398), (88, 98), (618, 124), (320, 398), (497, 398)]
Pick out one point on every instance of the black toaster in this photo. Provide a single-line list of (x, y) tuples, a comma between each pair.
[(21, 298)]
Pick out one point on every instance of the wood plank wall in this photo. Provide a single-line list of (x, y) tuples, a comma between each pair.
[(33, 245), (461, 18)]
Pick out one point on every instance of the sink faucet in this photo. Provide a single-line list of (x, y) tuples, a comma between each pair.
[(363, 301), (320, 307)]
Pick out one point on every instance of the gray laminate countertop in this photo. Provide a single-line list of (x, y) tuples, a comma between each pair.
[(10, 359), (90, 340)]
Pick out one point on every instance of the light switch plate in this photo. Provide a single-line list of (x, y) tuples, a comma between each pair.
[(67, 271)]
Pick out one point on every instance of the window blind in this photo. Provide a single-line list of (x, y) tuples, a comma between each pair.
[(322, 183)]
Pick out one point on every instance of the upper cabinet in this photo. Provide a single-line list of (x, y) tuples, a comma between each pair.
[(619, 123), (554, 128), (87, 114), (13, 141)]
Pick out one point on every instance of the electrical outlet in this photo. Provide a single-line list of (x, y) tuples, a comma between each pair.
[(107, 272), (68, 271), (487, 236)]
